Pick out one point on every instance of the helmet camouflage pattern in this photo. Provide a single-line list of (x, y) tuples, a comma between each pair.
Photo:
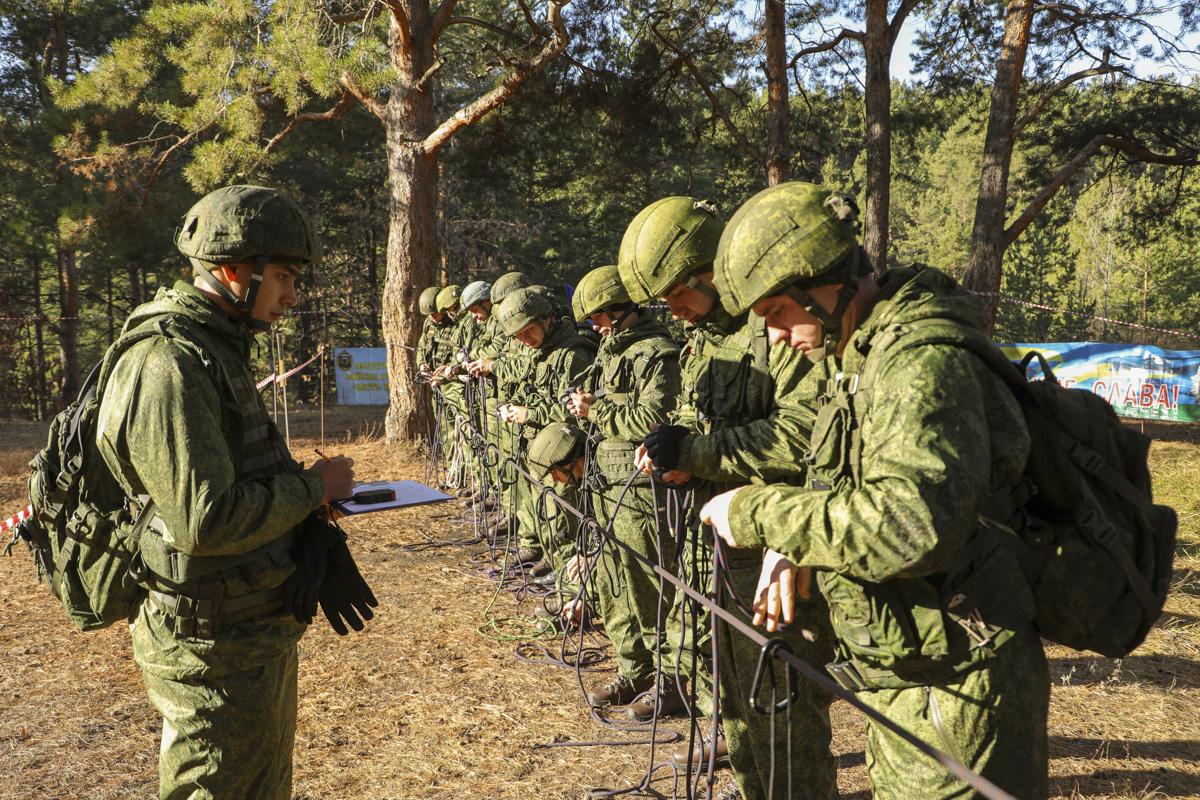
[(448, 297), (667, 241), (794, 233), (428, 300), (598, 290), (508, 283), (475, 293), (555, 445), (521, 308), (242, 223)]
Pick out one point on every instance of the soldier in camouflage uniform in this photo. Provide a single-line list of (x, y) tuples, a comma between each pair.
[(911, 445), (182, 426), (745, 414), (505, 361), (476, 301), (447, 354), (427, 303), (631, 389), (559, 358)]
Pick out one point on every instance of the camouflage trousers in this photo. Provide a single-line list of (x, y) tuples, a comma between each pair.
[(228, 707), (626, 590), (993, 720), (689, 625), (787, 756)]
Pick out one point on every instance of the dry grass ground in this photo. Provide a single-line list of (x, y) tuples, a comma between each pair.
[(423, 706)]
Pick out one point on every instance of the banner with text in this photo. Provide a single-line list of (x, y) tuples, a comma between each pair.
[(362, 377), (1138, 380)]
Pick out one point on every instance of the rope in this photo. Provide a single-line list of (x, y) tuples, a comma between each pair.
[(952, 765)]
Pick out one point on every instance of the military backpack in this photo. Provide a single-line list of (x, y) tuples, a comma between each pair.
[(1095, 548)]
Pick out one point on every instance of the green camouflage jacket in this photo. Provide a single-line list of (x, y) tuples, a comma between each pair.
[(897, 478), (749, 403), (552, 369)]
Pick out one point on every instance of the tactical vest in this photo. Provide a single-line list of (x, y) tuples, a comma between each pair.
[(546, 367), (726, 376), (913, 631), (617, 377), (202, 593)]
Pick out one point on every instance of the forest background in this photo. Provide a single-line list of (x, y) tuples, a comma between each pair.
[(1039, 151)]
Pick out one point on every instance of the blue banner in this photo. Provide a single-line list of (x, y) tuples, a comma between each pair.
[(362, 376), (1138, 380)]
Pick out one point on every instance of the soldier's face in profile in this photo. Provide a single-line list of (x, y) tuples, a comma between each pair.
[(532, 335), (788, 323), (687, 304), (438, 316), (277, 292), (602, 322), (479, 312)]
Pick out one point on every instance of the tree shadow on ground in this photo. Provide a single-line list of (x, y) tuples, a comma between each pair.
[(1163, 782), (1168, 672), (1085, 747)]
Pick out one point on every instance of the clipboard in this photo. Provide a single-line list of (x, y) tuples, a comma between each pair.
[(408, 493)]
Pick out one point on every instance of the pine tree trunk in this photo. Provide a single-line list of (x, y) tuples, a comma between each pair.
[(412, 249), (778, 168), (878, 48), (39, 335), (989, 239), (68, 282)]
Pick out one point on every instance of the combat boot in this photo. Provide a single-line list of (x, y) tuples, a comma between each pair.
[(527, 555), (548, 580), (620, 691), (699, 753), (541, 567), (662, 700)]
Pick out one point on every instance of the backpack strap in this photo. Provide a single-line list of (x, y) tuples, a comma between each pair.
[(945, 332)]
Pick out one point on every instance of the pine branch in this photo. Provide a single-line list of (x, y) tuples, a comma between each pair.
[(1133, 150), (337, 111), (823, 47), (508, 85), (374, 106)]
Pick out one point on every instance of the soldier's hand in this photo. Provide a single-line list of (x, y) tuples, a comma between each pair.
[(338, 475), (572, 613), (664, 444), (676, 476), (574, 567), (518, 415), (580, 402), (779, 582), (641, 460), (480, 366), (716, 513)]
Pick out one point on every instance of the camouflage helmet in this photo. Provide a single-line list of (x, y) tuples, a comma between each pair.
[(506, 284), (427, 302), (556, 445), (448, 297), (793, 234), (241, 223), (475, 293), (667, 241), (237, 224), (596, 291), (521, 308)]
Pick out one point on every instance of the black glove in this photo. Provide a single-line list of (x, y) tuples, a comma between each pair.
[(345, 596), (310, 553), (664, 444)]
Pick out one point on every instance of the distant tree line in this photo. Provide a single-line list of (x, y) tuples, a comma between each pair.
[(1042, 151)]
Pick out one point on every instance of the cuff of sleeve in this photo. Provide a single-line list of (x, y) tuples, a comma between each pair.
[(742, 524), (688, 459)]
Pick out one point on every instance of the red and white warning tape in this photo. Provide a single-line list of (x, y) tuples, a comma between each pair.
[(1005, 298), (272, 378), (12, 522)]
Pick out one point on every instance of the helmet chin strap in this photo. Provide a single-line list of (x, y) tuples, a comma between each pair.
[(831, 321), (694, 282), (244, 306)]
